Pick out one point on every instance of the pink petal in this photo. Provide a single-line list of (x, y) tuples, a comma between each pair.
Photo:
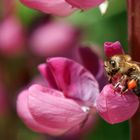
[(56, 7), (42, 69), (113, 48), (46, 72), (73, 79), (48, 107), (85, 4), (85, 126), (24, 113), (95, 66), (115, 108)]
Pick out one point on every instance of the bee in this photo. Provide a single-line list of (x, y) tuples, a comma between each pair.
[(127, 70)]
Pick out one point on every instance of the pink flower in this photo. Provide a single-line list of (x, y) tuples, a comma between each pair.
[(64, 105), (85, 4), (54, 39), (11, 36), (115, 108), (84, 55), (61, 7), (55, 7), (112, 48)]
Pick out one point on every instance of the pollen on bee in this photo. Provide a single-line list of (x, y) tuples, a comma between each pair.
[(132, 84)]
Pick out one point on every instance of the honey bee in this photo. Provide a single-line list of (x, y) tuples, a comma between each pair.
[(128, 70)]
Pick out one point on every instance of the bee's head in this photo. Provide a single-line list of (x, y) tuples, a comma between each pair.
[(111, 67), (116, 63)]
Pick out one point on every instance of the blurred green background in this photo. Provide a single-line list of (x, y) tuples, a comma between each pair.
[(97, 29)]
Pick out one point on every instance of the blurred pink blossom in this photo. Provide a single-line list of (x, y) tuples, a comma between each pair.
[(65, 104), (85, 4), (115, 108), (54, 38), (61, 7), (111, 105), (11, 36)]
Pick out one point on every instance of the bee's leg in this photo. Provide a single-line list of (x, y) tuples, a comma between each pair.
[(121, 81), (117, 84), (109, 79), (124, 90)]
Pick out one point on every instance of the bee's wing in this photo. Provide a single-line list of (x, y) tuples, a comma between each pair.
[(135, 62)]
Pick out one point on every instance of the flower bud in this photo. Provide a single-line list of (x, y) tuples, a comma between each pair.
[(113, 48), (65, 105)]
